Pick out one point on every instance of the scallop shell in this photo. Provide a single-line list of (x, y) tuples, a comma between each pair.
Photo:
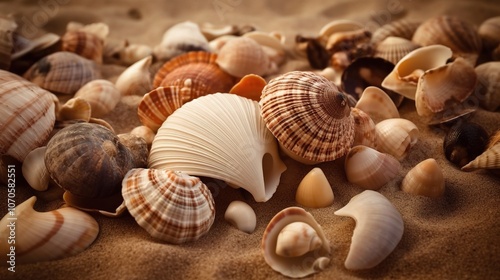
[(400, 28), (102, 95), (63, 72), (379, 228), (377, 104), (27, 115), (250, 86), (451, 31), (488, 31), (426, 179), (308, 115), (7, 28), (489, 159), (370, 169), (464, 142), (364, 129), (45, 236), (157, 105), (488, 87), (295, 267), (179, 39), (136, 79), (241, 215), (394, 48), (221, 136), (34, 170), (314, 190), (336, 26), (396, 137), (83, 43), (171, 206)]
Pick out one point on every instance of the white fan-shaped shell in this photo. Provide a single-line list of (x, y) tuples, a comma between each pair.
[(220, 136), (379, 228)]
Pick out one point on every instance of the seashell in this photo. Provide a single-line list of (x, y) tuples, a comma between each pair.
[(400, 28), (7, 28), (404, 77), (63, 72), (426, 179), (241, 215), (218, 43), (133, 53), (369, 168), (308, 115), (464, 142), (212, 32), (171, 206), (137, 147), (45, 236), (136, 79), (34, 170), (85, 44), (377, 104), (220, 136), (331, 74), (488, 86), (75, 109), (394, 48), (36, 47), (318, 56), (396, 137), (102, 95), (451, 31), (345, 47), (27, 116), (297, 239), (242, 56), (309, 263), (100, 29), (337, 26), (272, 44), (379, 228), (112, 50), (489, 159), (364, 129), (145, 132), (314, 190), (179, 39), (488, 31), (157, 105), (250, 86)]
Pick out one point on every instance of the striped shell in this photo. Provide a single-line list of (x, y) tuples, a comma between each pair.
[(394, 48), (83, 43), (400, 28), (27, 115), (158, 104), (171, 206), (308, 115), (102, 95)]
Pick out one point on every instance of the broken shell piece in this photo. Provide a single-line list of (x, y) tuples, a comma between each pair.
[(300, 266), (464, 142), (75, 109), (241, 215), (297, 239), (377, 104), (136, 79), (34, 170), (396, 137), (379, 228), (426, 179), (489, 159), (314, 190), (250, 86), (102, 95)]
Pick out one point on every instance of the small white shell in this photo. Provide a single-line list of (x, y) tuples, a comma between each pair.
[(379, 228), (396, 137), (297, 239), (426, 179), (34, 170), (314, 190), (377, 104), (241, 215), (136, 79)]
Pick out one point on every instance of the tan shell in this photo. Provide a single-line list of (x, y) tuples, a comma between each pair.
[(308, 115), (337, 26), (488, 31), (400, 28), (426, 179), (396, 137), (171, 206), (377, 104), (364, 129), (75, 109), (488, 86), (250, 86), (83, 43), (394, 48), (136, 79), (241, 215), (102, 95), (489, 159), (133, 53), (314, 190), (273, 45), (157, 105), (297, 239), (7, 28), (145, 132)]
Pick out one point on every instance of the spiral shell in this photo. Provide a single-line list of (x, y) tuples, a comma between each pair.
[(102, 95), (464, 142), (489, 159)]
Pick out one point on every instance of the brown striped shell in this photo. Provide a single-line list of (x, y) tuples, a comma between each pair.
[(171, 206), (401, 28), (394, 48), (158, 104), (27, 115), (83, 43), (308, 115)]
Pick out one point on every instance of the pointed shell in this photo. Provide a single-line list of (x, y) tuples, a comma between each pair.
[(181, 38), (221, 136), (489, 159), (377, 104), (158, 104), (83, 43), (102, 95), (396, 137), (241, 215), (171, 206), (488, 85), (136, 79), (44, 236), (308, 115), (379, 228), (34, 170), (314, 190), (426, 179), (394, 48), (312, 262), (364, 128)]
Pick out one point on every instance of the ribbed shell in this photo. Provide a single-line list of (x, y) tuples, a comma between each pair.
[(157, 105), (171, 206), (83, 43), (182, 60), (394, 48), (400, 28), (308, 115), (27, 115)]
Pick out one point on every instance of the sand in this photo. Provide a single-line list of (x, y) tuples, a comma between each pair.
[(456, 236)]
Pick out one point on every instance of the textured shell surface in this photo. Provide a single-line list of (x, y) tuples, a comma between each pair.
[(308, 115), (399, 28), (7, 27), (295, 267), (83, 43), (379, 228), (241, 215), (63, 72), (158, 104), (181, 38), (102, 95), (394, 48), (27, 115), (221, 136), (426, 179), (489, 159), (396, 137), (136, 79), (364, 129), (314, 190), (377, 104), (45, 236), (171, 206), (488, 87)]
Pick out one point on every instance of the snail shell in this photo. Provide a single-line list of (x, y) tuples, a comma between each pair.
[(102, 95), (426, 179), (464, 142), (297, 239)]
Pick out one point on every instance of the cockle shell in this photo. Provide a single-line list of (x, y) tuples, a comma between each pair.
[(221, 136), (158, 104), (451, 31), (300, 266), (489, 159), (426, 179), (63, 72), (83, 43), (394, 48), (308, 115), (336, 26), (488, 86), (369, 168), (297, 239), (44, 236), (377, 104), (379, 228), (396, 137), (314, 190), (179, 39), (488, 31), (34, 170), (102, 95), (7, 28), (136, 79), (27, 115), (400, 28), (241, 215), (250, 86), (171, 206), (364, 129)]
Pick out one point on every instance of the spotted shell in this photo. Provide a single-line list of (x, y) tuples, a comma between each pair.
[(83, 43), (308, 115), (171, 206)]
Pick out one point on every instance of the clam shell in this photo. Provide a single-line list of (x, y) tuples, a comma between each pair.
[(297, 239), (396, 137), (181, 38), (377, 104), (136, 79), (7, 27), (45, 236), (241, 215), (400, 28), (364, 129), (221, 136), (171, 206), (426, 179), (488, 86), (488, 31), (34, 170), (27, 115), (83, 43), (314, 190), (63, 72), (102, 95), (294, 267), (379, 228), (370, 169), (464, 142), (489, 159), (308, 115), (394, 48), (157, 105)]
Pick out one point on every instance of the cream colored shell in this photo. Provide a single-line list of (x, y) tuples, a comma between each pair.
[(102, 95), (314, 190), (241, 215)]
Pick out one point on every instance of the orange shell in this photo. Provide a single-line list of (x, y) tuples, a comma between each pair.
[(157, 105), (250, 86)]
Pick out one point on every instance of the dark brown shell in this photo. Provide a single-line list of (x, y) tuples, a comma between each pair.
[(464, 142)]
